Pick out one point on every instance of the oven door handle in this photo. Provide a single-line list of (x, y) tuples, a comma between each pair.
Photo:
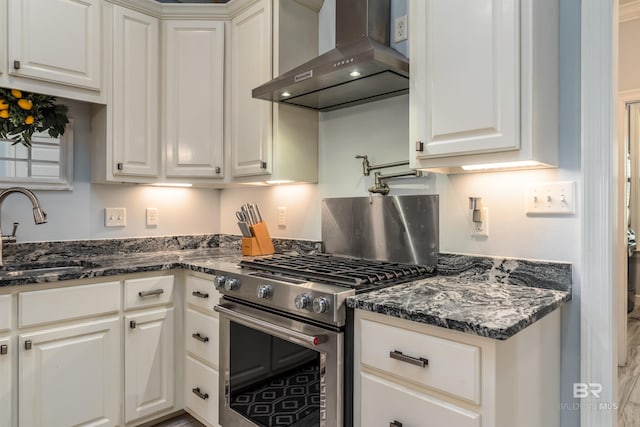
[(310, 340)]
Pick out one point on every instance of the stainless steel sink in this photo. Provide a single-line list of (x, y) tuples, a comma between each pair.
[(41, 268)]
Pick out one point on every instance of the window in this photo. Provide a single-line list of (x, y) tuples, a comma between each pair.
[(46, 165)]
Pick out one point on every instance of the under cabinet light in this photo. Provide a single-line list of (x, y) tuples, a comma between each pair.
[(354, 74), (504, 165), (278, 181), (172, 184)]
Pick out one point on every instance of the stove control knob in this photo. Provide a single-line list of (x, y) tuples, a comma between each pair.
[(219, 281), (302, 301), (231, 284), (265, 291), (320, 305)]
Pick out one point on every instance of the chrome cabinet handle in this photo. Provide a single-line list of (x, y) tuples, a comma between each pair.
[(395, 423), (151, 293), (419, 146), (28, 345), (132, 324), (200, 337), (200, 294), (417, 361), (4, 349), (16, 65), (201, 395)]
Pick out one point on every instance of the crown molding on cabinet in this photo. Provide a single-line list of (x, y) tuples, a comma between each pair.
[(629, 11), (189, 10)]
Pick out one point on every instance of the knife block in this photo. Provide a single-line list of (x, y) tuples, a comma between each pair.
[(260, 244)]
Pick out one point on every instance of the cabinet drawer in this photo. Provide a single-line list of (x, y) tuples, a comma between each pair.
[(201, 335), (450, 366), (201, 293), (5, 312), (53, 305), (383, 402), (201, 390), (148, 292)]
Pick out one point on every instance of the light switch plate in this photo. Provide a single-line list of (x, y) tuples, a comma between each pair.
[(556, 198), (115, 217)]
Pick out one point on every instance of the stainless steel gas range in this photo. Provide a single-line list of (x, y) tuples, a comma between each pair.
[(286, 335)]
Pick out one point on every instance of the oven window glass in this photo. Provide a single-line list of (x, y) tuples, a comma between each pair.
[(273, 382)]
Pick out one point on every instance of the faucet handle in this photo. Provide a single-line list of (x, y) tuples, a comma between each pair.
[(15, 229)]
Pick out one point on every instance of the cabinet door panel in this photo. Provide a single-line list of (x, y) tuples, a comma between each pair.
[(194, 88), (56, 40), (465, 83), (6, 382), (205, 328), (68, 376), (383, 402), (149, 363), (203, 380), (135, 93), (251, 64)]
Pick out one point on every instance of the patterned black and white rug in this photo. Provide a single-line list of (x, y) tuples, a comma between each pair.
[(292, 399)]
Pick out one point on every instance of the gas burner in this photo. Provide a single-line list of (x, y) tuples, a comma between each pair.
[(359, 274)]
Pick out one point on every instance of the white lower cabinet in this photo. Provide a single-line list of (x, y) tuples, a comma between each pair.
[(411, 374), (201, 350), (388, 403), (69, 376), (6, 392), (201, 390), (149, 362)]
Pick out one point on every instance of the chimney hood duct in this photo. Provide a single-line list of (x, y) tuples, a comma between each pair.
[(362, 67)]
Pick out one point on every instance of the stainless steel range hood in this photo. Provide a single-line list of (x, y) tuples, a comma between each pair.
[(362, 67)]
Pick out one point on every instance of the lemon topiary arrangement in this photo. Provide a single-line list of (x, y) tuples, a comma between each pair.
[(23, 113)]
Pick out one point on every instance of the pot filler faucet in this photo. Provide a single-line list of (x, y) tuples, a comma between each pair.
[(39, 216)]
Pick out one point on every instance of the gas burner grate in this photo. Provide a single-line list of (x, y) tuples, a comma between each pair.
[(350, 272)]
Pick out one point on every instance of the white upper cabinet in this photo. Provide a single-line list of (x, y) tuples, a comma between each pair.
[(251, 119), (271, 142), (56, 41), (125, 133), (134, 98), (475, 67), (193, 98)]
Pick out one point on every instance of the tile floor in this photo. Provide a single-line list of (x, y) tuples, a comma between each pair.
[(629, 376), (184, 420)]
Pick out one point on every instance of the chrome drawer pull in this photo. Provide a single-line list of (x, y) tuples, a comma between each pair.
[(4, 349), (395, 424), (28, 345), (201, 395), (151, 293), (417, 361), (199, 294), (200, 337)]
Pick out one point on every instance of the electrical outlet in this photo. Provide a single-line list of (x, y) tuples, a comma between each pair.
[(282, 216), (152, 216), (481, 229), (400, 29), (115, 217)]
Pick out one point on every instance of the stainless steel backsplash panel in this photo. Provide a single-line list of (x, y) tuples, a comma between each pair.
[(391, 228)]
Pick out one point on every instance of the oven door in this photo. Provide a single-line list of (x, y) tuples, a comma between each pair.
[(276, 371)]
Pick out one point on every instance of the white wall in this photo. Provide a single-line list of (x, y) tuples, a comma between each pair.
[(78, 214)]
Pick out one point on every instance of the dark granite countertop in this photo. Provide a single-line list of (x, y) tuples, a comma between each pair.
[(489, 297), (86, 267)]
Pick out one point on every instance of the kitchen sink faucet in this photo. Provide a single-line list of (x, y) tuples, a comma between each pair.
[(39, 216)]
